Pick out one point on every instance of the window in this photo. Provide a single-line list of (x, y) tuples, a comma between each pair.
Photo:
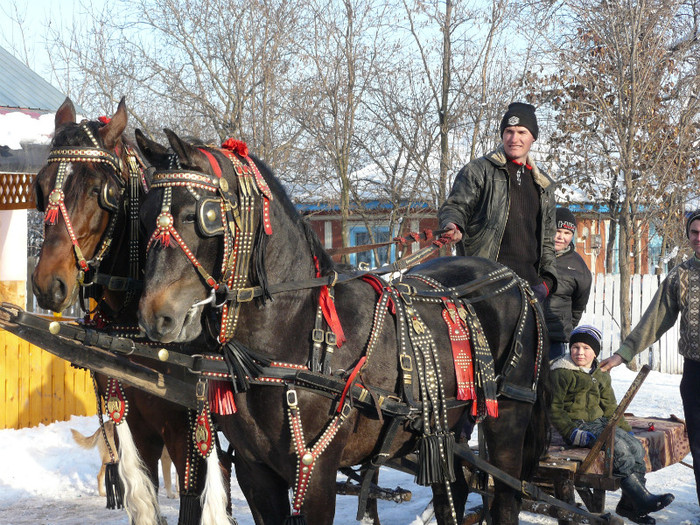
[(359, 235)]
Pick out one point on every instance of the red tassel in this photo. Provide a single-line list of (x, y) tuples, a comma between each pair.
[(164, 238), (104, 119), (221, 400), (237, 146), (51, 215)]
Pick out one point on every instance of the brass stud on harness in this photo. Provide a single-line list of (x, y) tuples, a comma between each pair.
[(307, 459), (54, 327), (163, 354), (164, 221)]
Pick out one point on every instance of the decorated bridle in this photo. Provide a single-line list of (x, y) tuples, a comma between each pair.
[(222, 213), (109, 198)]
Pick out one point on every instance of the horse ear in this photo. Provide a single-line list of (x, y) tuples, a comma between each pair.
[(189, 155), (112, 131), (65, 114), (151, 149)]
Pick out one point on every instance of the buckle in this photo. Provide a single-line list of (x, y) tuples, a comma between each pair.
[(317, 335), (408, 366), (292, 398), (244, 295), (117, 284), (201, 389), (331, 338), (345, 411)]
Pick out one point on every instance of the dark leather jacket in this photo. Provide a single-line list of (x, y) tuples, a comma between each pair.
[(479, 202), (564, 308)]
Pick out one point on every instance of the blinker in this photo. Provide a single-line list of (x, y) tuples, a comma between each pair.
[(209, 218)]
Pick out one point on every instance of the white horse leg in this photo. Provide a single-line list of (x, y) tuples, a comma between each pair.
[(214, 497), (140, 498)]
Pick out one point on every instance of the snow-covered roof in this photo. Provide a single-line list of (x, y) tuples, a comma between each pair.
[(20, 87)]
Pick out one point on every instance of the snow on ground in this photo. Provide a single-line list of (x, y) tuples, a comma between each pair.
[(46, 479)]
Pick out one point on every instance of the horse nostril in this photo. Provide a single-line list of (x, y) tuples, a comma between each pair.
[(164, 324), (59, 290)]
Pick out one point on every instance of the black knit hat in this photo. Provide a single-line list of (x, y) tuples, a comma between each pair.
[(565, 219), (587, 334), (692, 217), (520, 114)]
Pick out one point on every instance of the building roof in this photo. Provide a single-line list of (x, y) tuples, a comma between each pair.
[(22, 88)]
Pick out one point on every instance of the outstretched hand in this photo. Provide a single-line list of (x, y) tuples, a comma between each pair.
[(610, 363), (453, 233)]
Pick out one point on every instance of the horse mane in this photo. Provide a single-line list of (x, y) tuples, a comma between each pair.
[(325, 263)]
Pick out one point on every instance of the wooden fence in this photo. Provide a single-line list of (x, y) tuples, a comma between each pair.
[(38, 387), (603, 311)]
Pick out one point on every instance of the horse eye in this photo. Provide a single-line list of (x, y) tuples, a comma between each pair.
[(189, 218)]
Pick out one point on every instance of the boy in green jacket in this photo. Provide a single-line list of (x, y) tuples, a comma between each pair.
[(582, 402)]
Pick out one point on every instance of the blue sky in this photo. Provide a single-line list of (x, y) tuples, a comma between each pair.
[(26, 39)]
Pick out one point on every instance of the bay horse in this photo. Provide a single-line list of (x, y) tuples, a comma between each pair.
[(229, 255), (90, 189)]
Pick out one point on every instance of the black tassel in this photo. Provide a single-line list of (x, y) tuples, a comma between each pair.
[(259, 272), (448, 467), (297, 519), (190, 509), (114, 487), (436, 459), (242, 363), (428, 460)]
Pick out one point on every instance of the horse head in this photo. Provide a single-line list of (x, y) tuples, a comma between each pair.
[(209, 223), (81, 190)]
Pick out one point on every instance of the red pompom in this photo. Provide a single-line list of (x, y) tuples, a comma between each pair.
[(237, 146), (103, 119)]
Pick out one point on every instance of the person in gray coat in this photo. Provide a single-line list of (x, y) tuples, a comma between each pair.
[(501, 205)]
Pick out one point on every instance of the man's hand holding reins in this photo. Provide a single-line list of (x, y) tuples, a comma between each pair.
[(453, 232)]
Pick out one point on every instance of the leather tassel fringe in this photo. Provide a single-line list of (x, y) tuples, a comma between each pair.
[(297, 519), (242, 365), (114, 487), (436, 459), (190, 508)]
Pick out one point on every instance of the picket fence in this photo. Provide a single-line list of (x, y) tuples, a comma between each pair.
[(603, 311)]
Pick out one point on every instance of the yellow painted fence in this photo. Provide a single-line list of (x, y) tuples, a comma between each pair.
[(38, 387)]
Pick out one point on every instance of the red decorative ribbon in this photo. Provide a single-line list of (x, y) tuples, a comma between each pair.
[(461, 352), (330, 314)]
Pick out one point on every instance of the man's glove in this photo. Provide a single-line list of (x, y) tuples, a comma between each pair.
[(582, 438), (541, 292)]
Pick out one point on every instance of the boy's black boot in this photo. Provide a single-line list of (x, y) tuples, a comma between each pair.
[(625, 508), (643, 501)]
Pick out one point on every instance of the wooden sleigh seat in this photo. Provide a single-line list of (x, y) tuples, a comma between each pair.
[(666, 445), (560, 471)]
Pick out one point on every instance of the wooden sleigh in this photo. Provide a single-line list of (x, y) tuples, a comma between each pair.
[(568, 470)]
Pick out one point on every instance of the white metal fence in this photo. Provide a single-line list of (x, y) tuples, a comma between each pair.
[(603, 311)]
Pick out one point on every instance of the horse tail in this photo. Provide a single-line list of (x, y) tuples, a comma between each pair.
[(214, 497), (140, 498), (538, 433)]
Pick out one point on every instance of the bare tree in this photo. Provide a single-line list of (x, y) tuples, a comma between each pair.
[(623, 87)]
